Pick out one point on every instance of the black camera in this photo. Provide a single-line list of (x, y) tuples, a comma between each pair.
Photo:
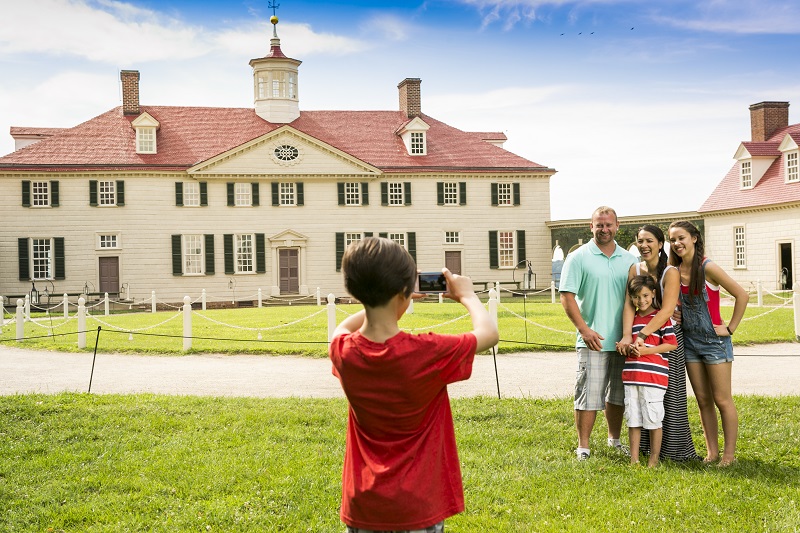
[(431, 282)]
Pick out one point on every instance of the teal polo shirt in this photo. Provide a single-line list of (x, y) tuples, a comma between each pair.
[(598, 283)]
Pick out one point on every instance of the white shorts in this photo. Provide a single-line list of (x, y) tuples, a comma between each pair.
[(644, 406)]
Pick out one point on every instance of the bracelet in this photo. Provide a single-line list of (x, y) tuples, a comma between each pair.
[(641, 335), (729, 331)]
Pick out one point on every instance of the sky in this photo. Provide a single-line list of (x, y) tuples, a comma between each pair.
[(639, 105)]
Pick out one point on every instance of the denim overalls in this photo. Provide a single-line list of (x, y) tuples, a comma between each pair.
[(701, 343)]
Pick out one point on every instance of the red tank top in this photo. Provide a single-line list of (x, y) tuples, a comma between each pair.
[(713, 302)]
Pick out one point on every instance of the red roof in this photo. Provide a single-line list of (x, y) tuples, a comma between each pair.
[(771, 189), (190, 135), (17, 131)]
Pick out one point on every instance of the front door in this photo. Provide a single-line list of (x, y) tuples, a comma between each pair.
[(452, 260), (785, 275), (289, 270), (109, 275)]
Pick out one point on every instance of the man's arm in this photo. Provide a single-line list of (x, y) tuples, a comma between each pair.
[(590, 337)]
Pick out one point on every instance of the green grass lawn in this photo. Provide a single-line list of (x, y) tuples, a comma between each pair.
[(532, 326), (84, 463)]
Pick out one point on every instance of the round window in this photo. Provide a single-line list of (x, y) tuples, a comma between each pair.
[(286, 152)]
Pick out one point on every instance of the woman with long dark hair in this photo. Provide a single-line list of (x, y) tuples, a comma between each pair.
[(676, 443), (707, 339)]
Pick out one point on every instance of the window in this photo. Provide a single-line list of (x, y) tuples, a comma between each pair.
[(191, 194), (738, 247), (396, 196), (451, 194), (286, 152), (40, 193), (292, 85), (243, 194), (287, 195), (452, 237), (107, 241), (417, 143), (107, 193), (350, 238), (792, 168), (747, 175), (193, 256), (244, 253), (278, 85), (145, 140), (505, 249), (399, 238), (42, 258), (263, 85), (504, 196), (352, 194)]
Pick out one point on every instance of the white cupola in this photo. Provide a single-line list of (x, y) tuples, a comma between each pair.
[(275, 83)]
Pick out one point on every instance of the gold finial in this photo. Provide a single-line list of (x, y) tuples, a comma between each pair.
[(273, 19)]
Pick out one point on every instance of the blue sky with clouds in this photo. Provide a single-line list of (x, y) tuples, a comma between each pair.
[(637, 104)]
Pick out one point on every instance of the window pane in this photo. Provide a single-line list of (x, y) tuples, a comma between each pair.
[(452, 237), (350, 238), (42, 258), (747, 176), (399, 238), (506, 248), (417, 143), (738, 240), (191, 193), (287, 194), (193, 254), (352, 194), (146, 139), (504, 194), (242, 191), (108, 241), (41, 193), (451, 193), (792, 168), (106, 190), (396, 194), (244, 253)]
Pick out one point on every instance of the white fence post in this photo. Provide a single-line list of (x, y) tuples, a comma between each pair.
[(81, 322), (331, 316), (2, 313), (187, 323), (259, 297), (66, 305), (441, 298), (153, 302), (497, 290), (552, 291), (760, 294), (203, 299), (410, 310), (27, 307), (106, 304), (493, 301), (319, 297), (20, 319), (797, 311)]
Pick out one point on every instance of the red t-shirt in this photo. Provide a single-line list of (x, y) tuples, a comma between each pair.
[(401, 468)]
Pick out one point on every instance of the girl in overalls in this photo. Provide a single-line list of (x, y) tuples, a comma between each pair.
[(706, 337)]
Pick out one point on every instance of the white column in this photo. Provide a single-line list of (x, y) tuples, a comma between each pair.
[(203, 299), (493, 301), (319, 297), (760, 293), (27, 307), (2, 314), (331, 316), (441, 298), (105, 305), (259, 296), (187, 323), (153, 302), (81, 322), (552, 291), (497, 290), (20, 319), (66, 306)]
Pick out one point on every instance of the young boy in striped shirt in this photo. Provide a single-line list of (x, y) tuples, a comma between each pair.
[(646, 372)]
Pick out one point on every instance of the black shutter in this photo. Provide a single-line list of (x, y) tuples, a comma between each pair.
[(300, 199), (439, 193), (231, 194), (339, 250), (26, 193), (179, 193), (384, 193), (24, 262), (228, 245), (275, 194), (254, 191), (383, 235), (521, 247), (412, 245), (340, 192), (58, 244), (93, 193), (365, 193), (494, 261), (203, 193), (367, 234), (177, 261), (494, 194), (261, 254), (407, 193), (120, 192), (209, 254), (54, 193), (462, 193), (516, 193)]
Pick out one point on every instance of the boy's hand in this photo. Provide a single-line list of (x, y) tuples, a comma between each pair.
[(458, 287)]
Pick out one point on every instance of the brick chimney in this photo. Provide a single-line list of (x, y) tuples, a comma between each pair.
[(766, 118), (130, 91), (410, 98)]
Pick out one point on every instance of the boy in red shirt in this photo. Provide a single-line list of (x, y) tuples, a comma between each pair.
[(401, 469), (646, 372)]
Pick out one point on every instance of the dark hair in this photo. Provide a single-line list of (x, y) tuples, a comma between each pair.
[(376, 270), (697, 277), (636, 283), (662, 255)]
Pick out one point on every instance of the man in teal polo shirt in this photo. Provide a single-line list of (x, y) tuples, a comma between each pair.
[(593, 294)]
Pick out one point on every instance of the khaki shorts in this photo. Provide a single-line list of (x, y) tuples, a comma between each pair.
[(644, 406), (599, 380), (436, 528)]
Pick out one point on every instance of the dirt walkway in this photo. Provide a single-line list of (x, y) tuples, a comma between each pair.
[(772, 369)]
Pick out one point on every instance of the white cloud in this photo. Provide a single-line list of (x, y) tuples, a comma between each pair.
[(738, 16), (388, 27), (254, 38)]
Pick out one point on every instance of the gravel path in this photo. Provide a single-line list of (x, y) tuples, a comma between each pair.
[(770, 369)]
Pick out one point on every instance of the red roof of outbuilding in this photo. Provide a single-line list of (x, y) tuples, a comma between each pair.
[(190, 135), (771, 189)]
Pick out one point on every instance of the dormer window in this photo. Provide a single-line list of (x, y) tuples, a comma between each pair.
[(145, 126), (792, 168), (414, 135), (746, 175)]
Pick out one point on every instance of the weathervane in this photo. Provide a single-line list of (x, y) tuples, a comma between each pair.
[(274, 18)]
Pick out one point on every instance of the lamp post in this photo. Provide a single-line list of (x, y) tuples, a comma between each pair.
[(34, 294)]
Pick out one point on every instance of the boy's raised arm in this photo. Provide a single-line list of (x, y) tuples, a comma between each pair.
[(459, 288), (350, 324)]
